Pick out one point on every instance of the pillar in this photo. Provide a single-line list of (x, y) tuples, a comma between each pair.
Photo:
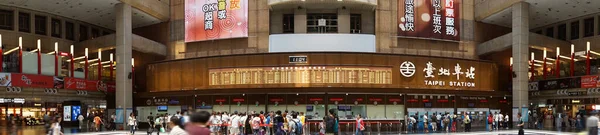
[(300, 20), (123, 55), (520, 51), (343, 21)]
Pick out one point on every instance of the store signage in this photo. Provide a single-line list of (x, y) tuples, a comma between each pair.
[(412, 100), (431, 72), (375, 99), (437, 19), (238, 100), (80, 84), (12, 100), (591, 81), (473, 98), (315, 99), (322, 22), (575, 101), (442, 100), (336, 99), (503, 101), (35, 81), (533, 86), (565, 83), (161, 101), (483, 101), (173, 102), (5, 79), (215, 19), (64, 54), (276, 99), (298, 59)]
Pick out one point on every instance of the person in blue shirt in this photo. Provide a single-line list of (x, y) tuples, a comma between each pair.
[(268, 122)]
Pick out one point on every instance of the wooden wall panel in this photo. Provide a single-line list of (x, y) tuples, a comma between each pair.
[(193, 73)]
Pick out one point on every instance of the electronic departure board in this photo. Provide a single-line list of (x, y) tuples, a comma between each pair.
[(301, 75)]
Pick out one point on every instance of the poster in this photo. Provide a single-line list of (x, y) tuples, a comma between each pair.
[(565, 83), (28, 80), (119, 114), (80, 84), (589, 81), (76, 110), (215, 19), (67, 113), (59, 82), (5, 79), (437, 19)]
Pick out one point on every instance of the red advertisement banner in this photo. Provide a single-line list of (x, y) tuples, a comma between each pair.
[(35, 81), (80, 84), (589, 81), (215, 19), (438, 19)]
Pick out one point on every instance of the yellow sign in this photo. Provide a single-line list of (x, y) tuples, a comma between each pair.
[(301, 75)]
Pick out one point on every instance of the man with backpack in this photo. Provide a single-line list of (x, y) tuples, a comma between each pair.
[(295, 125), (331, 123)]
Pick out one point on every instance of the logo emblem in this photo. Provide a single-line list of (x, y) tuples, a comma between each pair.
[(407, 69)]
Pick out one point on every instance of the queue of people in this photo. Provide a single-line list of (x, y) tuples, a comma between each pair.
[(446, 122)]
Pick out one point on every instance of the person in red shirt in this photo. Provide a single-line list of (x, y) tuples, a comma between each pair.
[(198, 124), (360, 125)]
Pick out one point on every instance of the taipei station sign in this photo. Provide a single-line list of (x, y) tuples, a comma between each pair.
[(442, 75)]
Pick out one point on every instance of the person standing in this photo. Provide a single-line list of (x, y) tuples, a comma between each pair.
[(175, 126), (490, 122), (97, 122), (199, 124), (331, 120), (278, 123), (215, 120), (150, 120), (360, 125), (131, 123), (80, 119), (433, 122), (520, 124), (592, 123), (506, 120), (302, 120), (113, 118), (425, 123), (256, 124), (268, 122), (234, 124), (467, 121)]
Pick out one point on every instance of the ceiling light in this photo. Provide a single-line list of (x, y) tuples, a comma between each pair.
[(11, 50)]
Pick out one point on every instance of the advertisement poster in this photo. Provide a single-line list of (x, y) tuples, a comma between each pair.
[(215, 19), (119, 114), (437, 19), (76, 110), (28, 80), (5, 79), (565, 83), (67, 113), (589, 81), (59, 82)]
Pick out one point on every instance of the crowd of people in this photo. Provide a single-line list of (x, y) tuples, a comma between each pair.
[(447, 122), (240, 123)]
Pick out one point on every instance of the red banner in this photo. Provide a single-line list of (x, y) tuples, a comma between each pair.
[(589, 81), (80, 84), (36, 81)]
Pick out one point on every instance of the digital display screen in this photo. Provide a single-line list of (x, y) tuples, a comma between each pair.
[(428, 105), (438, 19), (309, 108), (67, 113), (162, 108), (345, 108), (75, 111), (471, 105), (215, 19)]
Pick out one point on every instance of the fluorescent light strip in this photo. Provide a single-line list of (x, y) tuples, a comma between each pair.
[(596, 53), (105, 66), (89, 61), (35, 50), (538, 65), (78, 58), (105, 62), (52, 52), (539, 61), (551, 59), (11, 50)]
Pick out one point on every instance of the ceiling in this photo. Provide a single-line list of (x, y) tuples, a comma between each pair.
[(97, 12), (546, 12)]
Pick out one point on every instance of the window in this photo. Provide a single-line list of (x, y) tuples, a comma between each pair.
[(588, 27), (562, 32), (24, 22), (69, 31), (288, 23), (6, 19), (355, 23), (312, 23), (83, 33), (95, 33), (40, 25), (574, 30), (550, 32), (56, 28)]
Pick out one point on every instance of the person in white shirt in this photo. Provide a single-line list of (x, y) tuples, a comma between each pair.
[(80, 118), (243, 122), (175, 125), (425, 124), (506, 121), (499, 121), (215, 120), (234, 124), (167, 121), (131, 123), (438, 117), (225, 121)]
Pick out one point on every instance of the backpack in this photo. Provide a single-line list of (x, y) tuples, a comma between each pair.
[(467, 120), (297, 128), (490, 120), (446, 120), (329, 124)]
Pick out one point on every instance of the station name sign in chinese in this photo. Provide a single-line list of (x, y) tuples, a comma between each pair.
[(215, 19), (437, 19), (433, 74)]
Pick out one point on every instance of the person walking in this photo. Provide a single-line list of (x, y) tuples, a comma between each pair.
[(521, 124), (150, 120), (131, 123), (56, 129), (360, 125), (97, 122), (331, 120), (592, 123), (80, 119)]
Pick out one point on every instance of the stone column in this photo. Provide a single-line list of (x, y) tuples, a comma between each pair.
[(343, 21), (16, 20), (520, 53), (123, 53), (300, 20)]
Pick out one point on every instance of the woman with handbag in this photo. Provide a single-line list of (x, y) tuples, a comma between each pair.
[(360, 125)]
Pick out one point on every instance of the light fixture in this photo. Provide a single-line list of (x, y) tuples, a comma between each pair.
[(557, 51), (545, 52), (532, 56), (20, 42), (92, 60), (111, 57), (99, 54), (132, 62), (588, 46), (86, 52), (11, 50), (511, 61), (72, 50), (572, 49), (39, 45), (0, 41)]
